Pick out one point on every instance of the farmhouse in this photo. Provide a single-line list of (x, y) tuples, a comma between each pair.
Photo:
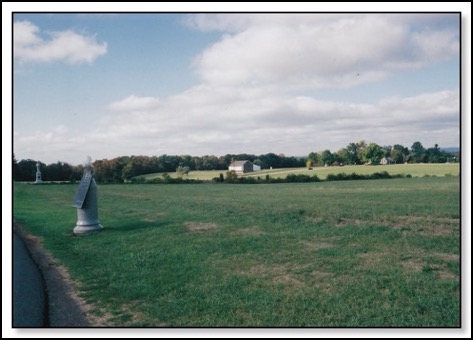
[(243, 167), (387, 160)]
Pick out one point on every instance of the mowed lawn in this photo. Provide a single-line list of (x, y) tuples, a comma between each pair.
[(372, 253)]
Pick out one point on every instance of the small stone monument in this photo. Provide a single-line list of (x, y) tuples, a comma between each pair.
[(38, 174), (86, 203)]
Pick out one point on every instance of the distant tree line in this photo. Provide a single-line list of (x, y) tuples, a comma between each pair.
[(25, 170), (124, 168), (372, 153)]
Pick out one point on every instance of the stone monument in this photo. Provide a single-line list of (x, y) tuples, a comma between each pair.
[(85, 201), (38, 174)]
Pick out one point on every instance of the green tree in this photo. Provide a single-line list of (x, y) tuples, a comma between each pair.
[(434, 155), (182, 170), (231, 177), (313, 158), (399, 154), (58, 171), (342, 156), (372, 154), (327, 158), (26, 170), (418, 153), (352, 153), (110, 171), (387, 150), (360, 149)]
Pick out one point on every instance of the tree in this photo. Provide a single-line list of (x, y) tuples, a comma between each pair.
[(111, 171), (77, 173), (182, 170), (258, 162), (352, 150), (327, 157), (434, 155), (418, 154), (313, 158), (271, 160), (26, 170), (58, 171), (387, 150), (399, 154), (360, 148), (342, 156), (231, 177), (186, 160), (372, 154)]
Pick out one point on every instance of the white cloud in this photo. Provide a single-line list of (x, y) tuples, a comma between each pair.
[(218, 22), (25, 34), (292, 125), (315, 51), (67, 46), (134, 103), (436, 45)]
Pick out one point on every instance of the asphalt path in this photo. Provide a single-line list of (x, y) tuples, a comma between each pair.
[(42, 296), (29, 297)]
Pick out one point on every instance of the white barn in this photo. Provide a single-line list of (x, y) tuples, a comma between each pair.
[(242, 167)]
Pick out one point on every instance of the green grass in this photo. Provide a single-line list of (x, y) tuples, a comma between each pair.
[(374, 253), (415, 170)]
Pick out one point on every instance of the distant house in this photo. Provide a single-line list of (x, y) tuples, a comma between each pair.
[(242, 167), (386, 160)]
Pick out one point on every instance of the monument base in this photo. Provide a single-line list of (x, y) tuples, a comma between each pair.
[(84, 229)]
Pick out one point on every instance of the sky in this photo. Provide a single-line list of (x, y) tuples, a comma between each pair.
[(109, 85)]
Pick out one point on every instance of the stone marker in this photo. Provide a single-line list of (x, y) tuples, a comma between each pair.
[(38, 174), (85, 201)]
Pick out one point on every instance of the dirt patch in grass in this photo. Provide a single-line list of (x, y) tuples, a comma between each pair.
[(133, 317), (276, 275), (343, 222), (442, 271), (200, 226), (413, 265), (317, 220), (288, 280), (445, 274), (372, 259), (316, 245), (425, 225), (411, 260), (447, 257), (254, 230), (337, 221), (322, 280), (153, 217)]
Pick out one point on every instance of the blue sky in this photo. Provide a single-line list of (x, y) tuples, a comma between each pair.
[(108, 85)]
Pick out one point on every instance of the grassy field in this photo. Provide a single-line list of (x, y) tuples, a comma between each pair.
[(416, 170), (373, 253)]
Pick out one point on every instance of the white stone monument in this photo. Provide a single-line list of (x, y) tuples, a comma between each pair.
[(38, 174), (86, 203)]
